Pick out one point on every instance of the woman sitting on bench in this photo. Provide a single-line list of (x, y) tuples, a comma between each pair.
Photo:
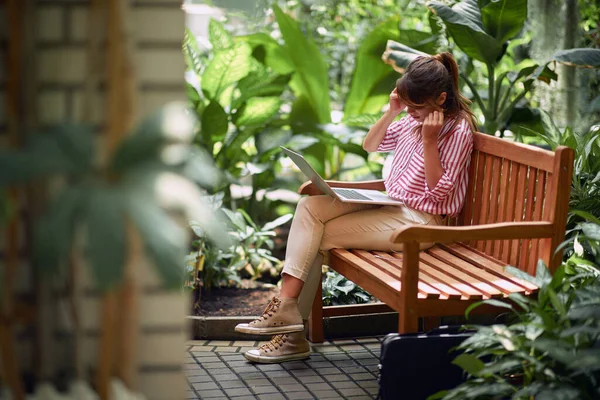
[(432, 145)]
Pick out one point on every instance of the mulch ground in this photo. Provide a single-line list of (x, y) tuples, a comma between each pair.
[(223, 302)]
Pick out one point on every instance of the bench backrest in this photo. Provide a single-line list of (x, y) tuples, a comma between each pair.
[(515, 182)]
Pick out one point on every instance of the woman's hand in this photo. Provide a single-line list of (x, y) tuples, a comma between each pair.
[(431, 126), (396, 105)]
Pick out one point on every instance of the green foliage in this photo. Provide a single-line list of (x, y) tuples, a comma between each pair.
[(337, 290), (258, 94), (373, 80), (585, 186), (143, 175), (550, 347), (249, 256), (482, 30)]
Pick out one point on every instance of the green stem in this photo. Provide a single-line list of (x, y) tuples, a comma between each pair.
[(506, 96), (491, 103), (505, 112), (475, 94)]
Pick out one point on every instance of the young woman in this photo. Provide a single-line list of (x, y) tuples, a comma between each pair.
[(432, 145)]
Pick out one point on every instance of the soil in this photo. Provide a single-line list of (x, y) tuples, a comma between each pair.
[(223, 302)]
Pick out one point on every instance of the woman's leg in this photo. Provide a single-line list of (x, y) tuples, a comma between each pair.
[(282, 314), (367, 229)]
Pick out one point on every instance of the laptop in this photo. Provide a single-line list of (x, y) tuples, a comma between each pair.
[(346, 195)]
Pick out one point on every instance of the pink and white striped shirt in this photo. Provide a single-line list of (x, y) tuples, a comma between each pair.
[(406, 180)]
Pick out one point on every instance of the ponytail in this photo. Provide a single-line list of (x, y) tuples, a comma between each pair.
[(460, 102), (426, 78)]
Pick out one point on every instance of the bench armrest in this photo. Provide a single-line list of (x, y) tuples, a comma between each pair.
[(498, 231), (310, 189)]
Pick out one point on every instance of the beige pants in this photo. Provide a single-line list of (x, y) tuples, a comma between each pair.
[(323, 223)]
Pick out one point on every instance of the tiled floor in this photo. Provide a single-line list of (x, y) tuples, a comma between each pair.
[(342, 369)]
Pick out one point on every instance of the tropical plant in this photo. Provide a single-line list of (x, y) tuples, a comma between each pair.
[(290, 76), (483, 30), (550, 349), (585, 187), (337, 290), (249, 256), (143, 178)]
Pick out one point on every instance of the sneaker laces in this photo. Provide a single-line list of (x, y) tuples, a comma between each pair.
[(275, 343), (272, 307)]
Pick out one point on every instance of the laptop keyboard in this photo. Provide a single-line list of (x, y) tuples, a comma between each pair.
[(351, 194)]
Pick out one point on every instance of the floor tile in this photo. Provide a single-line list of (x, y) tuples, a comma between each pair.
[(212, 394)]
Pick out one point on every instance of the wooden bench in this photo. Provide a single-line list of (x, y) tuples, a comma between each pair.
[(514, 214)]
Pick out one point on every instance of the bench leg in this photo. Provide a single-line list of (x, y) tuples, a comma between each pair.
[(315, 320), (408, 323)]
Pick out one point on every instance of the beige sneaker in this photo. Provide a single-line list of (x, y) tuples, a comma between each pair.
[(281, 348), (280, 316)]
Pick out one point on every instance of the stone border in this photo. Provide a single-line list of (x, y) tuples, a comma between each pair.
[(222, 328)]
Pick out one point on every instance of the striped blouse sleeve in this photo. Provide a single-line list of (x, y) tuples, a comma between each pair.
[(394, 131), (455, 154)]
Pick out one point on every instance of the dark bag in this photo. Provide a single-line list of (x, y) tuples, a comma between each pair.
[(415, 366)]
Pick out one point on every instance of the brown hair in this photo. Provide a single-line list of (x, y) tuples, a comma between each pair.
[(426, 78)]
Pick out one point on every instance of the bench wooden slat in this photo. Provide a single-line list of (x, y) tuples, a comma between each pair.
[(516, 152), (466, 214), (526, 243), (515, 245), (486, 262), (502, 206), (499, 282), (478, 192), (486, 194), (537, 215), (458, 274), (510, 207), (365, 275), (424, 288), (493, 213), (446, 291), (469, 292)]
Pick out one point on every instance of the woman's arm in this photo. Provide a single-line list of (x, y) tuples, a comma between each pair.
[(377, 131), (433, 166)]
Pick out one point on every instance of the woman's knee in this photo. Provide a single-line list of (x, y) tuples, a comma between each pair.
[(314, 203)]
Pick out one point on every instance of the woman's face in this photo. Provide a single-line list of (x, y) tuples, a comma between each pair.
[(419, 114)]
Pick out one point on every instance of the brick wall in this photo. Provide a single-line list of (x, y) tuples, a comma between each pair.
[(60, 43)]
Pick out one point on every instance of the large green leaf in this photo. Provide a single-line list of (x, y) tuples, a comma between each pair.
[(399, 55), (218, 36), (311, 78), (53, 231), (370, 71), (260, 83), (172, 123), (214, 124), (106, 236), (275, 55), (270, 139), (227, 67), (163, 239), (463, 22), (503, 19), (257, 110), (62, 149), (369, 68), (589, 58), (469, 363), (191, 53)]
